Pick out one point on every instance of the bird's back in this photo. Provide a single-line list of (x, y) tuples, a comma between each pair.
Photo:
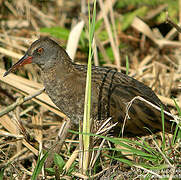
[(113, 92)]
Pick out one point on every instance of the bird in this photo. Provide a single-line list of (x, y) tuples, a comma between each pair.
[(111, 92)]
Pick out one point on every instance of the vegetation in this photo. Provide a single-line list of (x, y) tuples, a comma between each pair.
[(136, 40)]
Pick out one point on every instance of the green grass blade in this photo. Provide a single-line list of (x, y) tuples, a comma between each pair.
[(2, 173), (58, 32), (87, 105), (163, 127), (127, 65), (39, 166)]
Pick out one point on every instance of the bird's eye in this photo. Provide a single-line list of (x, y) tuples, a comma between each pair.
[(40, 50)]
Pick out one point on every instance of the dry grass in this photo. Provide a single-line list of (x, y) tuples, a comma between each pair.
[(154, 60)]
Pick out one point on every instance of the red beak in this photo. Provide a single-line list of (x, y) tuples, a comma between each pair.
[(26, 59)]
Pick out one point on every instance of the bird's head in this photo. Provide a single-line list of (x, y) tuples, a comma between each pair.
[(43, 52)]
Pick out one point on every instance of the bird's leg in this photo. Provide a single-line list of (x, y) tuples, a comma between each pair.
[(62, 134), (57, 146)]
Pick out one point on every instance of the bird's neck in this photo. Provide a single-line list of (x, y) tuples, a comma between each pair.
[(57, 71), (59, 81)]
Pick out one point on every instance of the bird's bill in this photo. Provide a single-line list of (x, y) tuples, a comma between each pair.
[(26, 59)]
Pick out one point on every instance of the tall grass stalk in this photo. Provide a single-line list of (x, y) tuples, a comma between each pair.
[(127, 65), (87, 105)]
